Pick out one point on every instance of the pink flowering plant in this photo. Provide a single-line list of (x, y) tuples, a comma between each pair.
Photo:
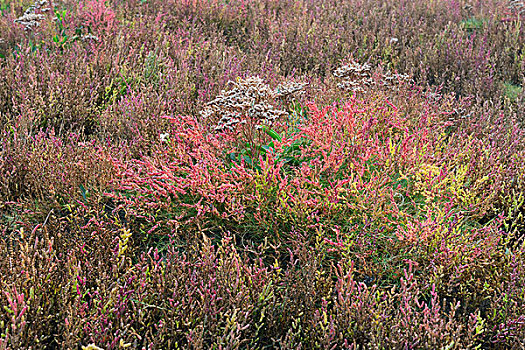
[(262, 174)]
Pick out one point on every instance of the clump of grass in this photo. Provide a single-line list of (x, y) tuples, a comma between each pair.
[(473, 24), (512, 92)]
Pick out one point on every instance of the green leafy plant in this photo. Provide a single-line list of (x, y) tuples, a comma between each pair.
[(289, 154), (4, 7), (473, 24), (511, 91), (62, 38)]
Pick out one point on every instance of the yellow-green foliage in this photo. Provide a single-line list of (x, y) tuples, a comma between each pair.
[(123, 242)]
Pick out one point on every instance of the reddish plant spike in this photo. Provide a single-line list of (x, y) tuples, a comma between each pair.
[(365, 191)]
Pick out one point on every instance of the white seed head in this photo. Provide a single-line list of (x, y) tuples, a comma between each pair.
[(248, 99)]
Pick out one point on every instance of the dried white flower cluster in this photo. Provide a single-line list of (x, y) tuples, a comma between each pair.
[(289, 89), (434, 96), (89, 36), (353, 69), (249, 100), (517, 6), (392, 81), (458, 115), (30, 19), (356, 77)]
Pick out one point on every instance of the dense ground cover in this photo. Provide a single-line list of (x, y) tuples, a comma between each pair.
[(262, 174)]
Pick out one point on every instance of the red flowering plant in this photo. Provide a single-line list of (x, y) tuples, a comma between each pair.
[(386, 212)]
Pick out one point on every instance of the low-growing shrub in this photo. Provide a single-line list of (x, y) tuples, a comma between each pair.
[(262, 174)]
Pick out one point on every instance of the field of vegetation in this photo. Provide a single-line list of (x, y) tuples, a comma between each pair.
[(262, 174)]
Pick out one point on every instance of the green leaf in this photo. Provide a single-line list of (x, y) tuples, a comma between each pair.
[(247, 160), (273, 134), (83, 190), (266, 149)]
